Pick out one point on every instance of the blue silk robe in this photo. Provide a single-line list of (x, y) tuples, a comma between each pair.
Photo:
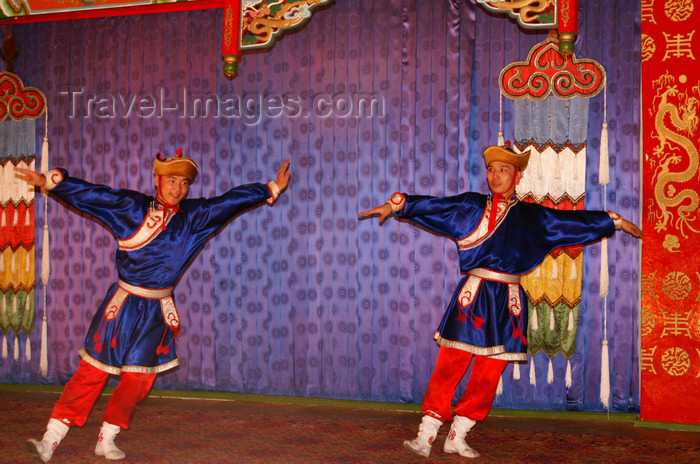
[(493, 323), (155, 247)]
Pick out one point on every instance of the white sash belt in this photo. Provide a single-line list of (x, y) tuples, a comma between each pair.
[(495, 275), (167, 305), (473, 282)]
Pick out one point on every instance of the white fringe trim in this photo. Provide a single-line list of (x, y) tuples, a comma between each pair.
[(552, 323), (535, 325), (571, 321)]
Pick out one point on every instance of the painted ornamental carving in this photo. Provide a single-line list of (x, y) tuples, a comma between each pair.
[(247, 24), (18, 102), (546, 72)]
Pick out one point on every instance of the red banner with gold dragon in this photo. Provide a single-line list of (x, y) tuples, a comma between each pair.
[(670, 317)]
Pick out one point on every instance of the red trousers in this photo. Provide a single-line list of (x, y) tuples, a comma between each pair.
[(82, 390), (450, 367)]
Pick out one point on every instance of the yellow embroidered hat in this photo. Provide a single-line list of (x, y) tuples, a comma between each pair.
[(505, 153), (177, 165)]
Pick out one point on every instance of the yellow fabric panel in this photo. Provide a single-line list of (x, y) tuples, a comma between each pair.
[(552, 281), (21, 274)]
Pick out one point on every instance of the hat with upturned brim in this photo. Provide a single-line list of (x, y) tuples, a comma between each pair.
[(177, 165), (505, 154)]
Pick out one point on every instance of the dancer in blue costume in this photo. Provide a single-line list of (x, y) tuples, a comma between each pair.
[(499, 238), (133, 332)]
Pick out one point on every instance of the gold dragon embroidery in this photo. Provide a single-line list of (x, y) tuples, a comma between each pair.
[(675, 123)]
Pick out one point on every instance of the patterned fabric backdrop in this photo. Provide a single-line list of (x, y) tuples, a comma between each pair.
[(368, 98)]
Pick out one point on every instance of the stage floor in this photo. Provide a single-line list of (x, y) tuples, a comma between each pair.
[(175, 430)]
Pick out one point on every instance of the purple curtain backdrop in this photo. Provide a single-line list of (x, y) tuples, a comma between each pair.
[(369, 97)]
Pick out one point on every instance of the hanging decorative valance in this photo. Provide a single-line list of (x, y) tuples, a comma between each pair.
[(550, 92), (19, 107)]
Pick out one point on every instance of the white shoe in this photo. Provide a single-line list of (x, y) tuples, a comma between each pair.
[(105, 443), (44, 448), (427, 432), (41, 449), (455, 441)]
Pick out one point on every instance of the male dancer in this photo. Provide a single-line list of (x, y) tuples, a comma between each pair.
[(133, 332), (499, 239)]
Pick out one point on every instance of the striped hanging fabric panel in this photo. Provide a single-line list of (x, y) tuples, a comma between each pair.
[(20, 106)]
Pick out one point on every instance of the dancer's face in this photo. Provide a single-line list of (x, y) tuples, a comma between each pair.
[(172, 189), (502, 178)]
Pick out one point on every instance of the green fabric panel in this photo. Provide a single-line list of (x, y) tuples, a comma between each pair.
[(552, 342), (18, 319)]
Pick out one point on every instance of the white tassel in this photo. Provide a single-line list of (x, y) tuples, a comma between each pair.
[(45, 152), (14, 219), (45, 262), (15, 355), (568, 373), (2, 262), (27, 264), (4, 347), (570, 327), (45, 265), (499, 389), (535, 325), (604, 169), (28, 350), (26, 219), (533, 379), (12, 263), (573, 274), (516, 371), (550, 372), (45, 269), (552, 324), (3, 222), (501, 141), (14, 305), (44, 357), (605, 376), (537, 272), (604, 280), (555, 272)]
